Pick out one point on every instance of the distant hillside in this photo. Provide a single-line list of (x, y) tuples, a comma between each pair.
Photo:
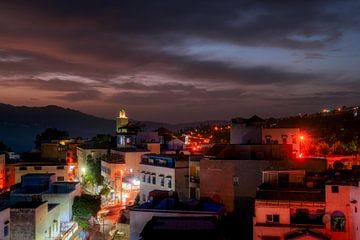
[(19, 124)]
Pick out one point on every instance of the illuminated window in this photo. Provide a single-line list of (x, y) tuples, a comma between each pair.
[(273, 218)]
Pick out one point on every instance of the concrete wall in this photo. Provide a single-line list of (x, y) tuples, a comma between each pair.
[(293, 136), (146, 187), (22, 224), (35, 223), (53, 151), (282, 208), (182, 179), (342, 201), (138, 218), (65, 202), (47, 223), (242, 134), (217, 179), (44, 169), (153, 147), (4, 221)]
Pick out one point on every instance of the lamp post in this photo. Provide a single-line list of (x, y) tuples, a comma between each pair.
[(300, 147)]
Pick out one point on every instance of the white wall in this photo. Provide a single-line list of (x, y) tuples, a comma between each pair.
[(4, 218), (44, 169), (146, 187)]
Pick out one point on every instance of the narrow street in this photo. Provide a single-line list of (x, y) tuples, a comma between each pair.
[(107, 222)]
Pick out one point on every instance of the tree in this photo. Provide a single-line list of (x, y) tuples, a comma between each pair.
[(4, 147), (351, 147), (50, 134), (323, 148), (105, 190), (338, 148), (84, 207), (93, 175)]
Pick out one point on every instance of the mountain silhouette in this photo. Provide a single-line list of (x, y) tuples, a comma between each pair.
[(20, 124)]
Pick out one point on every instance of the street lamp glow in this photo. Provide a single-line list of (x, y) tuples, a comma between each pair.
[(301, 137), (83, 170)]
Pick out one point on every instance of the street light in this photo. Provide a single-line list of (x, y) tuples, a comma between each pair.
[(300, 147)]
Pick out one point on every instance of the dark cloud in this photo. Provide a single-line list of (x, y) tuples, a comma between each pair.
[(135, 52)]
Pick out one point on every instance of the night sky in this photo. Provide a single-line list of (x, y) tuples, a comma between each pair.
[(177, 61)]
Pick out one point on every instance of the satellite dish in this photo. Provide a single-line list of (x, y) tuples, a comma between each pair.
[(326, 218)]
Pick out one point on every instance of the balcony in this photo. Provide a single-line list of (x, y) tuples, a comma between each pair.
[(194, 179)]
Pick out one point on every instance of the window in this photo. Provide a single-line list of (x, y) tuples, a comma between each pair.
[(338, 223), (274, 218), (6, 230), (162, 182), (144, 178), (154, 179), (236, 180), (37, 168), (334, 189), (169, 183), (148, 179), (22, 168), (60, 179), (60, 167)]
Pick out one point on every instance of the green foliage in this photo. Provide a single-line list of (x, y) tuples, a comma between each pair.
[(93, 171), (105, 191), (84, 207), (50, 134)]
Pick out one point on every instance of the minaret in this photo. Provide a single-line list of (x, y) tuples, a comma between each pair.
[(121, 121)]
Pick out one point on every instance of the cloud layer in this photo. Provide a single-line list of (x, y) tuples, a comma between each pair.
[(180, 60)]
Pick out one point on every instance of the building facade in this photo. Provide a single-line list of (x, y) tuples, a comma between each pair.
[(164, 172), (59, 169)]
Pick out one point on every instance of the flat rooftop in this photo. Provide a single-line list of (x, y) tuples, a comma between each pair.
[(27, 204), (182, 228), (39, 163), (170, 204)]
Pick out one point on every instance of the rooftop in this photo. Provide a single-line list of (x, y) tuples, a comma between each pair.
[(304, 195), (344, 177), (130, 149), (254, 120), (250, 152), (40, 163), (182, 228), (163, 201), (27, 204)]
